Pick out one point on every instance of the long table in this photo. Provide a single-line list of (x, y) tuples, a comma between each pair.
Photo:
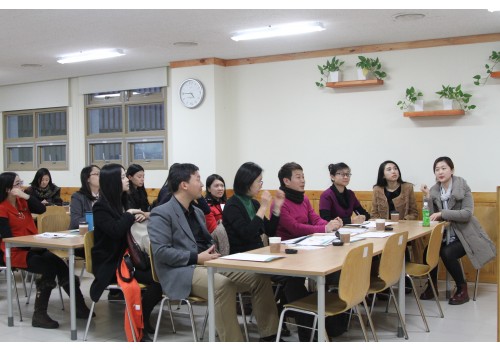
[(69, 244), (314, 264)]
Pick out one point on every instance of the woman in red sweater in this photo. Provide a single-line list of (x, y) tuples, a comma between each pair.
[(216, 199), (16, 221)]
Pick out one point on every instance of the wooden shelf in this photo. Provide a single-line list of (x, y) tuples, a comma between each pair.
[(355, 83), (437, 113), (495, 75)]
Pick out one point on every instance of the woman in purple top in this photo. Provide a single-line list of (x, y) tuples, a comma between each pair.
[(338, 201)]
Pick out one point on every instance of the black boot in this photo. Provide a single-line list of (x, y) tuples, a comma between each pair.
[(82, 311), (461, 296), (40, 317), (150, 298)]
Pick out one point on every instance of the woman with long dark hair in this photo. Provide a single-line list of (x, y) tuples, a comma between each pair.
[(112, 221), (137, 195), (43, 189), (16, 207), (216, 199), (392, 194), (83, 199)]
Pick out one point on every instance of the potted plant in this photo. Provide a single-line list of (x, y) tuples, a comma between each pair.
[(412, 99), (329, 71), (495, 58), (455, 94), (368, 65)]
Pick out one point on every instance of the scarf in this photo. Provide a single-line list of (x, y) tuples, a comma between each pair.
[(247, 203), (342, 198), (445, 194), (292, 195), (45, 193)]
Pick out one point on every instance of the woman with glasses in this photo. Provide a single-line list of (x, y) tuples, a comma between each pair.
[(83, 200), (43, 189), (393, 195), (244, 218), (112, 222), (16, 207), (450, 199), (339, 202)]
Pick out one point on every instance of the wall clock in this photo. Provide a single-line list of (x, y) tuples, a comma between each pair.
[(191, 93)]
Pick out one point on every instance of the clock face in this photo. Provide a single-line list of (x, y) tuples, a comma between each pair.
[(191, 93)]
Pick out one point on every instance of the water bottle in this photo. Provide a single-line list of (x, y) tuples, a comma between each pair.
[(426, 222)]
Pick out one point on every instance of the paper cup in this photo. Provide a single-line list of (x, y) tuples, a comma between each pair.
[(274, 244), (380, 224), (345, 238)]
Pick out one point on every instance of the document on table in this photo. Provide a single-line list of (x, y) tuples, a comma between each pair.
[(252, 257), (55, 235), (313, 240), (372, 224), (352, 230), (375, 234)]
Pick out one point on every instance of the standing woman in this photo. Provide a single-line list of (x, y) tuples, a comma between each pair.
[(43, 189), (244, 218), (16, 207), (392, 194), (338, 201), (216, 199), (112, 221), (137, 195), (83, 200), (450, 199)]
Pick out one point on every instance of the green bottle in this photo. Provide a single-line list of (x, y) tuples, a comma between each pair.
[(426, 222)]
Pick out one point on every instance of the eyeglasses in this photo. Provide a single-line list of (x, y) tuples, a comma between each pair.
[(96, 174), (20, 183), (344, 174)]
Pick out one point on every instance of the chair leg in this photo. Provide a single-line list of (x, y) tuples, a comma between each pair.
[(17, 296), (171, 316), (370, 322), (24, 275), (476, 284), (193, 325), (363, 328), (280, 324), (204, 327), (88, 321), (31, 288), (419, 304), (240, 298), (158, 319), (60, 295), (435, 295), (134, 336), (393, 297), (315, 323)]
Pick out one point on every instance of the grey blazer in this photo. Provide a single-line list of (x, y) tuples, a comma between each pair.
[(478, 246), (173, 247)]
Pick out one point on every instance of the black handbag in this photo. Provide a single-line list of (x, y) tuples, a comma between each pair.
[(139, 258)]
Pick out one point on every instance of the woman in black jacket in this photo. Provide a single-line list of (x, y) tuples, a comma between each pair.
[(244, 218), (112, 221)]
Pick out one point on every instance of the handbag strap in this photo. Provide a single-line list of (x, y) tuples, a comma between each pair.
[(127, 260)]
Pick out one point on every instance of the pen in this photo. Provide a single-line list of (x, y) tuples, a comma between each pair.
[(300, 239)]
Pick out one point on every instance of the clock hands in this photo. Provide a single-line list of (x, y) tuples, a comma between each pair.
[(188, 93)]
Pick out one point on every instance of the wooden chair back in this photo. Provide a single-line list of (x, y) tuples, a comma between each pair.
[(88, 244), (392, 258), (435, 239), (53, 221), (355, 276), (153, 270)]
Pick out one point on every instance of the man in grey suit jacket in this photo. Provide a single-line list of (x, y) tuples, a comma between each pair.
[(181, 244)]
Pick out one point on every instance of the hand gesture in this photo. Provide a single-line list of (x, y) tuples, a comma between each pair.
[(19, 193), (207, 255), (265, 199), (279, 199), (436, 217), (425, 190), (359, 219), (333, 225)]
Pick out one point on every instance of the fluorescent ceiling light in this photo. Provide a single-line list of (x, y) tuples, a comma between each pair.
[(278, 30), (90, 55)]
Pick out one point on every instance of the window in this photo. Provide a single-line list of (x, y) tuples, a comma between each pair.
[(127, 127), (36, 138)]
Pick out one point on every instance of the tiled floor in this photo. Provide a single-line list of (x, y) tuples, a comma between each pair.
[(471, 322)]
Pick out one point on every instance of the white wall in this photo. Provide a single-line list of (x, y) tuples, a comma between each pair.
[(273, 113), (276, 114)]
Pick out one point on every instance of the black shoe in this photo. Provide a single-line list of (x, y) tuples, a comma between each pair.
[(116, 296), (271, 338), (148, 328), (145, 338), (285, 332)]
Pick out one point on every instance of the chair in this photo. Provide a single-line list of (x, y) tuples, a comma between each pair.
[(88, 244), (188, 301), (353, 286), (420, 270), (389, 272), (476, 282), (4, 268)]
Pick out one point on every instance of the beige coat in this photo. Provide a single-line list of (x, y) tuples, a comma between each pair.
[(478, 246), (405, 203)]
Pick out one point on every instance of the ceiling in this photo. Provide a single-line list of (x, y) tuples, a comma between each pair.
[(38, 37)]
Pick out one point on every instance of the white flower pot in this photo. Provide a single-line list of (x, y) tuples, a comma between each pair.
[(335, 77), (362, 73), (447, 104), (418, 106)]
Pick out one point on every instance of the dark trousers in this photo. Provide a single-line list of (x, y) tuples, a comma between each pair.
[(450, 254), (47, 264)]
